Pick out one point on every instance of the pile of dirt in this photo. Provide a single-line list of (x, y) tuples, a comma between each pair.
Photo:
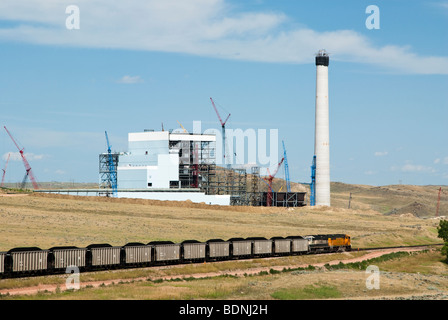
[(416, 209)]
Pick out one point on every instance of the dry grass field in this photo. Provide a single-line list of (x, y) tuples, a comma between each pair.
[(375, 219)]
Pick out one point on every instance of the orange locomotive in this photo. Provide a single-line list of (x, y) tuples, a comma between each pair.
[(329, 242)]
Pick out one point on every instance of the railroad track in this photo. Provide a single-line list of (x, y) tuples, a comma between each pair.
[(398, 247)]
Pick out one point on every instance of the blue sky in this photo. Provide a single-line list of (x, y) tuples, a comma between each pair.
[(135, 64)]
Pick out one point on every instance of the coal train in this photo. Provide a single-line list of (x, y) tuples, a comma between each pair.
[(20, 262)]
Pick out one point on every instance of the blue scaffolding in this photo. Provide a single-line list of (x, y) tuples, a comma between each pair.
[(111, 168)]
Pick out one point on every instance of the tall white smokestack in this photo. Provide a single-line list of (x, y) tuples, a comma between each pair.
[(322, 131)]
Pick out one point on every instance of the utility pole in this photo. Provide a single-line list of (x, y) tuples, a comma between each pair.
[(349, 200), (438, 202)]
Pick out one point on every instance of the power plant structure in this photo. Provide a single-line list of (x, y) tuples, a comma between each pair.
[(167, 165), (178, 166), (322, 132)]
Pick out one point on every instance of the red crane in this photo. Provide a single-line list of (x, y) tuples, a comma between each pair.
[(4, 170), (223, 126), (270, 179), (29, 173)]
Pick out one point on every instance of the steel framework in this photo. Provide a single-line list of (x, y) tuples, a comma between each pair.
[(283, 199), (112, 168), (106, 171)]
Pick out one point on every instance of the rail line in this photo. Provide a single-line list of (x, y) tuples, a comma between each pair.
[(398, 247)]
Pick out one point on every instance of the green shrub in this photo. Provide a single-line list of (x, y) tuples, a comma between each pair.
[(443, 234), (309, 292)]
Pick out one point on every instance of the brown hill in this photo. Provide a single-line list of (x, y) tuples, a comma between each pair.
[(420, 201)]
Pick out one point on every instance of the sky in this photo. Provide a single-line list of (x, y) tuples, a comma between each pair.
[(71, 70)]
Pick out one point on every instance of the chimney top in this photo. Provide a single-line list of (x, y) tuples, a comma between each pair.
[(322, 58)]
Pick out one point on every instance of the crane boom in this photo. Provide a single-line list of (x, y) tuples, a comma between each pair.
[(217, 113), (185, 130), (276, 170), (270, 179), (223, 127), (29, 172), (4, 170), (227, 119), (288, 182)]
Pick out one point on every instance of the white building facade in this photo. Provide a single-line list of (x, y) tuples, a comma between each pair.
[(166, 165)]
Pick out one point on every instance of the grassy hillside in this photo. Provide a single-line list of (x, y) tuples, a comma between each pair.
[(420, 201), (45, 220)]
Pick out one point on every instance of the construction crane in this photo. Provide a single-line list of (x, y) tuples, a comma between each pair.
[(29, 173), (111, 168), (288, 182), (269, 179), (223, 126), (4, 171), (185, 130), (312, 184)]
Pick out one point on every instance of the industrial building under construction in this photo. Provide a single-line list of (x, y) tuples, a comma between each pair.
[(180, 166), (163, 165)]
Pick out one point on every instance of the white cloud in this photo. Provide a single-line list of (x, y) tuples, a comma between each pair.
[(439, 160), (15, 156), (381, 153), (48, 138), (130, 79), (42, 138), (414, 168), (443, 5), (59, 171), (200, 27)]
